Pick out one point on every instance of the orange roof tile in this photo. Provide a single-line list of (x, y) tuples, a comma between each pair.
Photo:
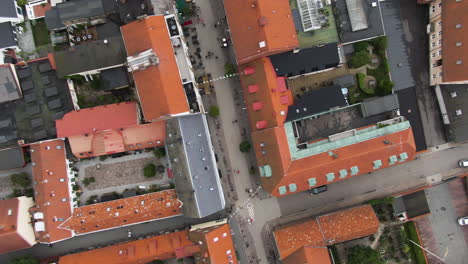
[(9, 213), (122, 212), (453, 14), (315, 255), (140, 251), (52, 188), (349, 224), (95, 119), (40, 10), (291, 238), (269, 93), (324, 230), (252, 22), (115, 141), (159, 87), (219, 246)]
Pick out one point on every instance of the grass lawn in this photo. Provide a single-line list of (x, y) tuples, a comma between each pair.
[(416, 252), (40, 32)]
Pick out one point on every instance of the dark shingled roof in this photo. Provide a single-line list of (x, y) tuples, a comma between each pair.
[(306, 60), (316, 102), (11, 158), (114, 78), (8, 37), (90, 56), (52, 19), (8, 8), (80, 10), (455, 98), (414, 204)]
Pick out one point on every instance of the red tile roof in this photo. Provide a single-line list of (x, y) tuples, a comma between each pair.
[(349, 224), (252, 22), (325, 230), (454, 13), (40, 10), (315, 255), (101, 216), (159, 87), (95, 119), (272, 148), (140, 251), (260, 84), (9, 233), (120, 140), (216, 244), (52, 188)]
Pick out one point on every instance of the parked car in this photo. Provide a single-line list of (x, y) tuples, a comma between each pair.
[(463, 220), (463, 163), (318, 190)]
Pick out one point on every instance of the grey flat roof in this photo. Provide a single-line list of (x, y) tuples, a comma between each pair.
[(414, 204), (114, 78), (345, 81), (397, 51), (374, 106), (11, 158), (194, 166), (91, 56), (8, 8), (52, 19), (456, 98), (202, 164), (80, 10), (373, 17), (315, 102), (9, 89), (306, 60), (8, 37)]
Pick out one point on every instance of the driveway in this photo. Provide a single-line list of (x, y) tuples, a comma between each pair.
[(440, 231)]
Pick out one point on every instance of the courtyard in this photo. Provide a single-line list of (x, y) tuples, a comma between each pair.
[(100, 177)]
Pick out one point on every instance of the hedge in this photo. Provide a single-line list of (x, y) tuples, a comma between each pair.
[(416, 252), (362, 84)]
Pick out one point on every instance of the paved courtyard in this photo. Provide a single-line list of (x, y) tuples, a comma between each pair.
[(119, 174), (6, 187)]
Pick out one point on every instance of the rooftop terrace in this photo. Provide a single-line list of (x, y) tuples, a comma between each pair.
[(326, 34), (333, 122)]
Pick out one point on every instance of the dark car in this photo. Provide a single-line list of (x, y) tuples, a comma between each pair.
[(318, 190)]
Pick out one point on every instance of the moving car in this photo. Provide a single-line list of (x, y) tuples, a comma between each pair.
[(318, 190), (463, 163), (463, 220)]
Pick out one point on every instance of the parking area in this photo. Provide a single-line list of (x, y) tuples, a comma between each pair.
[(440, 232)]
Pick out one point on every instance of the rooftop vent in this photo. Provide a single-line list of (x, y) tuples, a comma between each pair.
[(458, 112), (453, 94), (374, 4), (142, 61)]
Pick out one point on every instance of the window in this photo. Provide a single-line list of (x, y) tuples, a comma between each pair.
[(440, 4), (440, 52), (433, 54), (458, 26), (433, 36), (433, 65), (224, 234), (433, 44), (440, 41), (215, 239), (433, 76), (458, 44), (459, 62), (440, 33), (440, 74)]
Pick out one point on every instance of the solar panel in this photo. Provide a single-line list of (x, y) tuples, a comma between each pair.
[(310, 17)]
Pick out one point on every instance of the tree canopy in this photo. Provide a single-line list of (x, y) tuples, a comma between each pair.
[(363, 255)]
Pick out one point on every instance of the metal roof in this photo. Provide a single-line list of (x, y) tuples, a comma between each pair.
[(357, 15), (379, 105), (9, 88), (8, 37), (80, 10), (11, 158)]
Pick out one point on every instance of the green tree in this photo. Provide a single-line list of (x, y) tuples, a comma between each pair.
[(380, 45), (159, 152), (244, 146), (214, 111), (361, 45), (359, 59), (230, 68), (149, 170), (21, 2), (384, 87), (24, 260), (21, 180), (363, 255)]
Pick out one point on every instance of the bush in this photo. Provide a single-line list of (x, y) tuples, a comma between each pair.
[(78, 79), (88, 180), (91, 199), (103, 157), (76, 187), (149, 170), (362, 84), (159, 152), (386, 200), (384, 87), (96, 83), (380, 45), (154, 188), (24, 260), (416, 252), (21, 2), (244, 146), (363, 255), (230, 68), (362, 45), (214, 111), (20, 180), (359, 59)]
